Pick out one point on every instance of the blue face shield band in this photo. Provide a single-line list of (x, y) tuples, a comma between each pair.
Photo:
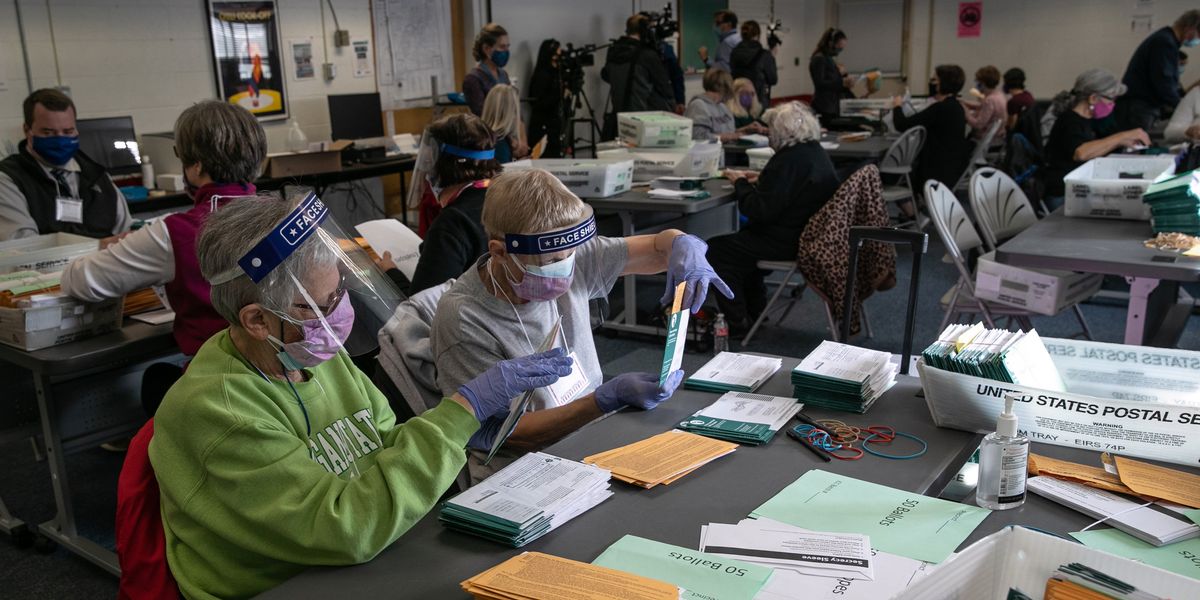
[(467, 153), (553, 241)]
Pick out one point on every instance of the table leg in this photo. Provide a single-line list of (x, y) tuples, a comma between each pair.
[(10, 524), (62, 527), (1153, 309)]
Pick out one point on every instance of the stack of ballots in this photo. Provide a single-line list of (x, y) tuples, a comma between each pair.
[(742, 417), (1175, 204), (733, 372), (1008, 356), (527, 499), (843, 377)]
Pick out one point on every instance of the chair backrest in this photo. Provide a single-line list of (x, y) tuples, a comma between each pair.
[(981, 148), (405, 352), (1000, 207), (824, 250), (141, 540), (904, 151), (952, 224)]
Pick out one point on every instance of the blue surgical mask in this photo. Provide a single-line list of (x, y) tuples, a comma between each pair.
[(500, 57), (1181, 70), (434, 187), (56, 149), (1192, 42), (562, 268)]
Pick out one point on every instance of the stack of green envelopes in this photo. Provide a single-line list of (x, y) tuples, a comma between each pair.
[(1175, 204), (742, 417), (527, 499), (843, 377), (733, 372), (1010, 356)]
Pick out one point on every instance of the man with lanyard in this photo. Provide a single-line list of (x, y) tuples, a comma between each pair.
[(544, 265), (725, 26), (49, 186)]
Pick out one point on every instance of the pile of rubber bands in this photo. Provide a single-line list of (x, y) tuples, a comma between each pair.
[(837, 439)]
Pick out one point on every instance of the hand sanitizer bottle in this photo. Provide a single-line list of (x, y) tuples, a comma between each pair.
[(1003, 459)]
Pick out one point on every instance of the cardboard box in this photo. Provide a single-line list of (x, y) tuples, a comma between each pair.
[(1138, 401), (291, 164), (57, 321), (759, 157), (654, 129), (44, 253), (1111, 187), (700, 159), (1015, 557), (586, 178), (1043, 291)]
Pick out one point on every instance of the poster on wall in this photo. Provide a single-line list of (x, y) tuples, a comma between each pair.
[(970, 19), (362, 58), (302, 59), (247, 56)]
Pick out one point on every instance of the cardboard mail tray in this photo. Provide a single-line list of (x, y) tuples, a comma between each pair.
[(586, 178), (1043, 291), (1111, 187)]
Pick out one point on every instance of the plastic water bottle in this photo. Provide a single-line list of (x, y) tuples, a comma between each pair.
[(720, 335), (147, 173), (297, 141)]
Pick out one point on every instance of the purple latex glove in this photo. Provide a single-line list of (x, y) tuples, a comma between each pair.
[(687, 263), (490, 393), (639, 390)]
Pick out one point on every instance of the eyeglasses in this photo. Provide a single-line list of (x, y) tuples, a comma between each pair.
[(338, 294)]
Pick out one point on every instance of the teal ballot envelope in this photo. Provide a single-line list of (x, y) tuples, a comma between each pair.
[(899, 522), (703, 576)]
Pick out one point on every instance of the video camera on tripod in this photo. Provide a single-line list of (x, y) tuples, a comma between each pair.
[(572, 62), (662, 25)]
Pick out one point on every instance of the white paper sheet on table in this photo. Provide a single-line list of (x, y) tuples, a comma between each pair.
[(892, 573), (390, 235), (815, 553)]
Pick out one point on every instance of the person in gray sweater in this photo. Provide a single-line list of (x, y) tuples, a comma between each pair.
[(710, 114)]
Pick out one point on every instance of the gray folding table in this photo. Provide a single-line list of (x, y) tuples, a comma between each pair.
[(1113, 247), (872, 148), (429, 561), (705, 218), (87, 393)]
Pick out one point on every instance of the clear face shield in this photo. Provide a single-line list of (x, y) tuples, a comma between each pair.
[(547, 259), (429, 153), (320, 282)]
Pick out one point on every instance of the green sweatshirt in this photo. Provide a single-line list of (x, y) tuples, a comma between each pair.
[(249, 499)]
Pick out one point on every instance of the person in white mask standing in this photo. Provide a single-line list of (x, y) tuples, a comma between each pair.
[(544, 264)]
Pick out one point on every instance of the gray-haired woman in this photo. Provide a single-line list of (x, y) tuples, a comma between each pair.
[(1073, 140), (778, 203), (273, 430)]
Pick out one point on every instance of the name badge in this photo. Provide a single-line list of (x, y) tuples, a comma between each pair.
[(571, 387), (68, 210)]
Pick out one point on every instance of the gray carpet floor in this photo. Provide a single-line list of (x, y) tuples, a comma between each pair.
[(25, 486)]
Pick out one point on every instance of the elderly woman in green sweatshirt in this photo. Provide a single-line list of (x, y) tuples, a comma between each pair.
[(274, 452)]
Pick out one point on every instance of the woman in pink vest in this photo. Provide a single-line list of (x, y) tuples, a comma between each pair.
[(222, 148)]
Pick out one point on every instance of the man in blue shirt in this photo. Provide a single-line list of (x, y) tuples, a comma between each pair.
[(725, 25), (1153, 73)]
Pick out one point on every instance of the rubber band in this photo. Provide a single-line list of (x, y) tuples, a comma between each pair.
[(851, 457), (870, 439)]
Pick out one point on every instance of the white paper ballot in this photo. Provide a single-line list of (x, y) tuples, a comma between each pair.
[(390, 235), (871, 368), (570, 387), (743, 372), (807, 552), (538, 484), (774, 411), (892, 572), (1144, 522)]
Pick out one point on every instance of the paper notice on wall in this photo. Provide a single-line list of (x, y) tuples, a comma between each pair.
[(970, 19), (362, 58), (302, 58)]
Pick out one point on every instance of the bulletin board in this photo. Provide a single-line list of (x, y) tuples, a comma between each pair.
[(696, 29)]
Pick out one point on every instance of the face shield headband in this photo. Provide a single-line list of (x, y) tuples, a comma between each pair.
[(552, 241)]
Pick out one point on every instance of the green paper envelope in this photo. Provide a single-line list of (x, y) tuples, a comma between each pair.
[(1180, 557), (899, 522), (705, 576)]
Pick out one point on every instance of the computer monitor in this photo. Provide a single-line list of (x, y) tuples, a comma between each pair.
[(111, 142), (355, 116)]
